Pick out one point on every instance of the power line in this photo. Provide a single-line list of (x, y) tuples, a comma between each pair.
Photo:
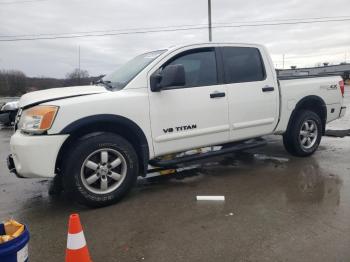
[(285, 23), (292, 58), (106, 31), (165, 27), (169, 30), (21, 2), (292, 19), (314, 55)]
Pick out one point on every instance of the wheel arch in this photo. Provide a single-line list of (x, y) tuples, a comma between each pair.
[(107, 123), (313, 103)]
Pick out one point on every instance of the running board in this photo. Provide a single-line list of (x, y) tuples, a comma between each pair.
[(249, 144)]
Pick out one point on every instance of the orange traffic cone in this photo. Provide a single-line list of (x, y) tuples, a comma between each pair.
[(77, 250)]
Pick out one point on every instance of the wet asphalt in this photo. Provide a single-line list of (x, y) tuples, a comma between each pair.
[(277, 208)]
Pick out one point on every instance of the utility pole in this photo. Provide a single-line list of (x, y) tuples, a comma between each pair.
[(209, 21), (346, 53), (283, 61), (79, 64)]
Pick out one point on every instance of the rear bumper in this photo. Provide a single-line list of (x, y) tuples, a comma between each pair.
[(34, 156), (342, 111)]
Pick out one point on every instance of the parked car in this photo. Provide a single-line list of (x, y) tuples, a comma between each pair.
[(8, 113), (98, 139)]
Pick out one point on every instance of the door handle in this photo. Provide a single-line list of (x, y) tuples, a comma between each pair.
[(268, 89), (217, 94)]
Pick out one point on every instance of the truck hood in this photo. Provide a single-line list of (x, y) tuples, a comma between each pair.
[(53, 94)]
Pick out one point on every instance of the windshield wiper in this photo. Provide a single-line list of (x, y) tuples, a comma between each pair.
[(105, 83)]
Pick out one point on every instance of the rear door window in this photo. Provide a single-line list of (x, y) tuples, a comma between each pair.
[(243, 64)]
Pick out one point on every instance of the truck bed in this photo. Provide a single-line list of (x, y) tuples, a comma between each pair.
[(305, 76), (295, 88)]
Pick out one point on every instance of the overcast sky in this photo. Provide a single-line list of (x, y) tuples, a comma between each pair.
[(302, 44)]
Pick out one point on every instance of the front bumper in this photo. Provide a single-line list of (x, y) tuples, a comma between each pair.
[(11, 165), (342, 111), (34, 156)]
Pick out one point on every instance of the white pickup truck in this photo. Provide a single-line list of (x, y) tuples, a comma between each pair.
[(98, 139)]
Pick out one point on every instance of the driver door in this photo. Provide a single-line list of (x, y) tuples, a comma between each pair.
[(193, 115)]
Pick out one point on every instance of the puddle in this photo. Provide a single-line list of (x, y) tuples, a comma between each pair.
[(273, 158), (190, 174), (310, 183)]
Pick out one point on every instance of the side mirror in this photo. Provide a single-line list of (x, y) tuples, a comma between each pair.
[(155, 79), (172, 75)]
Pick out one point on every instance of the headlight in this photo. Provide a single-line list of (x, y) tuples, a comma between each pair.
[(37, 119)]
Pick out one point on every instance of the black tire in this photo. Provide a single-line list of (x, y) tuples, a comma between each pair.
[(292, 139), (74, 168), (55, 187)]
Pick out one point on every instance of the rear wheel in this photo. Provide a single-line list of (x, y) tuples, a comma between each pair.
[(100, 169), (304, 134)]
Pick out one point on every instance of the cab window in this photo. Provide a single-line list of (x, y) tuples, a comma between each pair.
[(200, 67), (243, 64)]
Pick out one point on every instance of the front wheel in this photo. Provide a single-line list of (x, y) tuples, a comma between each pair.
[(304, 134), (100, 169)]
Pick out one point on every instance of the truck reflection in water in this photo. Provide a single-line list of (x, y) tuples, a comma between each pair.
[(310, 183), (290, 182)]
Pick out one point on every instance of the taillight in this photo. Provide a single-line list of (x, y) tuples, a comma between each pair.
[(342, 87)]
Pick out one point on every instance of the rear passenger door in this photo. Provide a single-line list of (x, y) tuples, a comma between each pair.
[(252, 96)]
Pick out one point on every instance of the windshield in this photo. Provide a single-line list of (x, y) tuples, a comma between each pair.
[(124, 74)]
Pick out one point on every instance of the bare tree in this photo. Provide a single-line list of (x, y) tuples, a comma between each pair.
[(77, 77), (12, 83), (15, 83)]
